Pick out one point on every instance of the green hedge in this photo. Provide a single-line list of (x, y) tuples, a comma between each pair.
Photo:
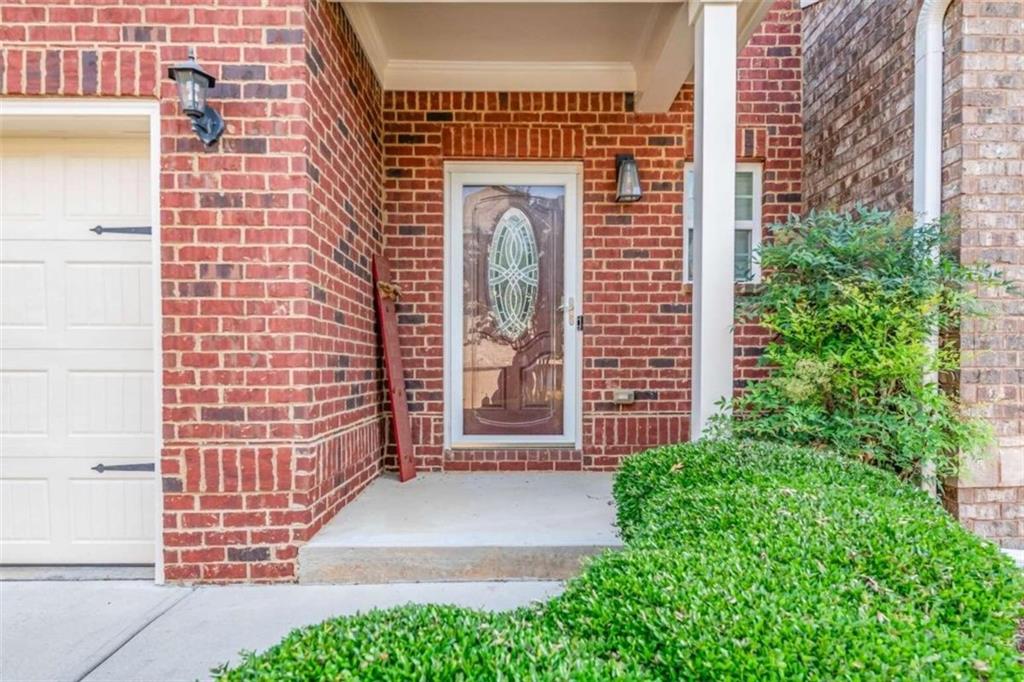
[(743, 561)]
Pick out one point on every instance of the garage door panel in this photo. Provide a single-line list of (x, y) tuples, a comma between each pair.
[(76, 360), (112, 403), (28, 309), (25, 505), (58, 189), (87, 295), (77, 403), (59, 510), (23, 170), (101, 186), (107, 509), (105, 294), (25, 396)]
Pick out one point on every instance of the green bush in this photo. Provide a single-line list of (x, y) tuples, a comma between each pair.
[(744, 561), (426, 643), (854, 301)]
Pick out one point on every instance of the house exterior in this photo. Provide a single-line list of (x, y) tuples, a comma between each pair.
[(937, 83), (344, 129), (544, 326)]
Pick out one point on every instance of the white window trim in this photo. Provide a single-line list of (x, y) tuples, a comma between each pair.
[(460, 173), (755, 226)]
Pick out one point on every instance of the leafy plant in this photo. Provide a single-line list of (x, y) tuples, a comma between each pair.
[(743, 561), (855, 301)]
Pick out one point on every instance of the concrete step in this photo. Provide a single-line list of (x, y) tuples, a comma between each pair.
[(465, 527)]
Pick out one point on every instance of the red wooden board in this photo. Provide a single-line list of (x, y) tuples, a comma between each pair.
[(387, 293)]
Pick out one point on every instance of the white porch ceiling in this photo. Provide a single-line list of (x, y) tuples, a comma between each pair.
[(622, 46)]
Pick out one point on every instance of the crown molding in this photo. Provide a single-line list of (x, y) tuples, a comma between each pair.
[(361, 17)]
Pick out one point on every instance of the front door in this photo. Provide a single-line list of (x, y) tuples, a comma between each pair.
[(512, 304)]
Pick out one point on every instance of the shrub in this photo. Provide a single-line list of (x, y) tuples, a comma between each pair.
[(854, 300), (743, 561), (426, 643)]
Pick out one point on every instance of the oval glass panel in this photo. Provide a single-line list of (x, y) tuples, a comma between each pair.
[(513, 274)]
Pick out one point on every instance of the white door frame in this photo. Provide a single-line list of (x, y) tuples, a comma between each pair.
[(456, 175), (148, 109)]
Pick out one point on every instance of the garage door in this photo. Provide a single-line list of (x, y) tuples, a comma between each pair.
[(76, 358)]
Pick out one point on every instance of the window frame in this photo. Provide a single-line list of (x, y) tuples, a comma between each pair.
[(754, 225)]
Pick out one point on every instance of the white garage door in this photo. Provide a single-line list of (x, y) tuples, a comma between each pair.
[(76, 359)]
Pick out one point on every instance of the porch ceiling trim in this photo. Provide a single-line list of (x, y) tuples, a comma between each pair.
[(650, 55)]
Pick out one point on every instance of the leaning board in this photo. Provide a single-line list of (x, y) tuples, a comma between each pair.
[(388, 293)]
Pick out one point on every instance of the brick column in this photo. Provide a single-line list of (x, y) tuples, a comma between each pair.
[(271, 390), (990, 497)]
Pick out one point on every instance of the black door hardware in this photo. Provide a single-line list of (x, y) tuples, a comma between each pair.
[(144, 466), (100, 230)]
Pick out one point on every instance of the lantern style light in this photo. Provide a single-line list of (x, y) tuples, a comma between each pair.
[(193, 86), (627, 183)]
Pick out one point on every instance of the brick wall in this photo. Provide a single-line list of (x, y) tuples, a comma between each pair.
[(858, 102), (272, 407), (990, 135), (343, 139), (271, 382), (858, 139), (638, 308)]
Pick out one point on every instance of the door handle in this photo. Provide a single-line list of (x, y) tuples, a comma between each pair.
[(569, 308)]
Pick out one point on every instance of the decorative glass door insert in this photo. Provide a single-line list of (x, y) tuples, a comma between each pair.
[(514, 344)]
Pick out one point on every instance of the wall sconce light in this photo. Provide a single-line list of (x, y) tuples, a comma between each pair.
[(193, 85), (627, 182)]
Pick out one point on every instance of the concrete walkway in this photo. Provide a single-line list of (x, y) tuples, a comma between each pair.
[(135, 630)]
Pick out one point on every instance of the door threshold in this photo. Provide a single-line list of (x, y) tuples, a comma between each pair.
[(78, 572), (511, 445)]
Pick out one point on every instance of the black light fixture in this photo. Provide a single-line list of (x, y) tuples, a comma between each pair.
[(193, 85), (627, 182)]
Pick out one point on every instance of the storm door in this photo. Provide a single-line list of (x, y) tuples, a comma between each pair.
[(512, 304)]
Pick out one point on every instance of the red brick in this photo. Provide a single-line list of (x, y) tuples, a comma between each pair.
[(262, 426), (634, 270)]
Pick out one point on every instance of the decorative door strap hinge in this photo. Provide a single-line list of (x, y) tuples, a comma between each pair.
[(143, 466), (142, 229)]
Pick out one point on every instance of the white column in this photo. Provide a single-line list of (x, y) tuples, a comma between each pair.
[(714, 136)]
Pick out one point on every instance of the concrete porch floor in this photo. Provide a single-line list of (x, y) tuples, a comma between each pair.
[(465, 527)]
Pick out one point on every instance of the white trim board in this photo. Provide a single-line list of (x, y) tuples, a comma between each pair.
[(421, 74), (458, 174), (150, 111)]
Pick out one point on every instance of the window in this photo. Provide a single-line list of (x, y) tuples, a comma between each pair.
[(748, 221)]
